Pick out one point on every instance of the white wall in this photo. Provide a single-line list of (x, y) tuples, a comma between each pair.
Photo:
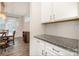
[(64, 29), (26, 25), (35, 24)]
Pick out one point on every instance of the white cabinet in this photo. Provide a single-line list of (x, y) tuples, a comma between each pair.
[(46, 12), (57, 11), (58, 51), (46, 49), (37, 47), (34, 47), (40, 48), (63, 10)]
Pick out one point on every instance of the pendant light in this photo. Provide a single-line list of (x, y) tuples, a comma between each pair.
[(2, 14)]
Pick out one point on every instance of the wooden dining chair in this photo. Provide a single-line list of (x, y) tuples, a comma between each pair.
[(3, 41), (7, 31), (12, 37)]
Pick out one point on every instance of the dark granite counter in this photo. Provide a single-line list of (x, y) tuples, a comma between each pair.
[(66, 43)]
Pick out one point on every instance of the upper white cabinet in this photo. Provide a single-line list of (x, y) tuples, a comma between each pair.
[(46, 11), (57, 11), (65, 10)]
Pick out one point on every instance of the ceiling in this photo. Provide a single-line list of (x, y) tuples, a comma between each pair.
[(17, 8)]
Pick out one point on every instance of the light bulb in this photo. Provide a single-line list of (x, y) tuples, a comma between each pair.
[(3, 16)]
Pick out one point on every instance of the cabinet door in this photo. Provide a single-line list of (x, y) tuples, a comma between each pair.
[(37, 47), (34, 47), (46, 11), (40, 48), (58, 50), (41, 51), (65, 10)]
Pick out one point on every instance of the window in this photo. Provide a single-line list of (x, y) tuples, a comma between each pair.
[(2, 24), (11, 24)]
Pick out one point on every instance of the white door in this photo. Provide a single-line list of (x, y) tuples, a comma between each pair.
[(46, 11), (63, 10)]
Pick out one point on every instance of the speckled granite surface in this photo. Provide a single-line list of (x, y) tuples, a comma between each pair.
[(66, 43)]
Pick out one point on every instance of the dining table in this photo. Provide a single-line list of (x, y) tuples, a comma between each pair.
[(3, 40), (5, 34)]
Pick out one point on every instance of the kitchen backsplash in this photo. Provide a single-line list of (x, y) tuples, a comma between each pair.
[(63, 29)]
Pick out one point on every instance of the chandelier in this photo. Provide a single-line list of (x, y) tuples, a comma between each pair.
[(2, 14)]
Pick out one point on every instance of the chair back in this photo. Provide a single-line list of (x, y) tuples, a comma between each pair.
[(6, 31), (2, 34), (14, 34)]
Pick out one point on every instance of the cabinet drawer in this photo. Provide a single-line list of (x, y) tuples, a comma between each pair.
[(50, 53), (58, 50)]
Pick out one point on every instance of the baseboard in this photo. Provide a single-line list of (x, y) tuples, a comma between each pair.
[(17, 37)]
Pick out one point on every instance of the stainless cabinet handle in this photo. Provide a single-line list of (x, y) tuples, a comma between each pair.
[(45, 53), (42, 52)]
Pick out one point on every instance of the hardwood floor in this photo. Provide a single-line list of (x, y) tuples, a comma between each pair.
[(19, 49)]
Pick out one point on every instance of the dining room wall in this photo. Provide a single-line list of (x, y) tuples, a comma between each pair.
[(26, 25)]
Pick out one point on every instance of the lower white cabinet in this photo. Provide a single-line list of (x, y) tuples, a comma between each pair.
[(46, 49), (58, 51), (65, 10), (34, 47), (40, 48)]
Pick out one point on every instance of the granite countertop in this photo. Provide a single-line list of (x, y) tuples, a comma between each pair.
[(66, 43)]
